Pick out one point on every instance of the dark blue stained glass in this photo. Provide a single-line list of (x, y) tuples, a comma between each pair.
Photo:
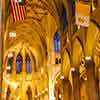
[(19, 62), (28, 64), (64, 18), (57, 42)]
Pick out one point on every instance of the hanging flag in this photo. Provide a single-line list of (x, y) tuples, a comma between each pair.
[(18, 10), (82, 14)]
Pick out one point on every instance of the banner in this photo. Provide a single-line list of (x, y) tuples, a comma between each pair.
[(82, 14)]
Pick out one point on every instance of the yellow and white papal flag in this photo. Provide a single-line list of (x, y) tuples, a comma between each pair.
[(82, 14)]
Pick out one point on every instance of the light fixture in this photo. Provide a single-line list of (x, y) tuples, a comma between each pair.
[(12, 34), (43, 92), (46, 89), (68, 40), (60, 96), (42, 70), (56, 82), (62, 77), (8, 68), (19, 1), (10, 55), (39, 94), (35, 96), (73, 69), (5, 90), (99, 69), (88, 58), (85, 78), (78, 27)]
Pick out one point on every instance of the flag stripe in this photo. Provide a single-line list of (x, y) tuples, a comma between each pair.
[(18, 11), (12, 8), (22, 13)]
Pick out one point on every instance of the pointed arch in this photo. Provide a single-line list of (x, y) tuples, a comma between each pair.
[(78, 52), (19, 62), (28, 64), (57, 42), (66, 64), (10, 60)]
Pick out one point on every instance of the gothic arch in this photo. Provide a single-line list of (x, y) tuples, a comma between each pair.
[(77, 52)]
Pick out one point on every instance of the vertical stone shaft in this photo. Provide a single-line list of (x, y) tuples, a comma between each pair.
[(91, 81), (76, 84)]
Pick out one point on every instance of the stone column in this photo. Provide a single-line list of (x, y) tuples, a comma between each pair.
[(2, 13), (51, 64), (46, 97), (14, 67), (76, 84), (67, 90), (91, 81), (99, 81), (98, 3), (24, 63), (0, 44)]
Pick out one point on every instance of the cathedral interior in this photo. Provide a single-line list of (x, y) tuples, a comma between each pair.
[(45, 54)]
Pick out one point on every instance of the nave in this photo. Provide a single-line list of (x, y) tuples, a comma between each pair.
[(45, 54)]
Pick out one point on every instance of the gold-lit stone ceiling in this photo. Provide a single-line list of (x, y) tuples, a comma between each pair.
[(31, 37), (35, 33)]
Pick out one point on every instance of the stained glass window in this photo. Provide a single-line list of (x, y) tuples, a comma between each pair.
[(19, 62), (64, 14), (9, 64), (57, 42), (28, 64)]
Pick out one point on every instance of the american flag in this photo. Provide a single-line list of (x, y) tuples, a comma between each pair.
[(18, 10)]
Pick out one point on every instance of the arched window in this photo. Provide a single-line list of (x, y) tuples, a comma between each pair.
[(57, 42), (64, 17), (9, 64), (28, 64), (19, 62)]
